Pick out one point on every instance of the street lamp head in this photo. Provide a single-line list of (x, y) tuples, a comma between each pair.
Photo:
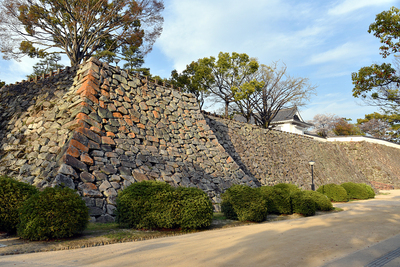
[(311, 163)]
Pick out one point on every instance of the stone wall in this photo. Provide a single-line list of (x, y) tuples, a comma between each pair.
[(97, 129), (104, 130), (273, 156)]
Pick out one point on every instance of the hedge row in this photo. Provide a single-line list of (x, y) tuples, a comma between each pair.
[(52, 213), (156, 205), (244, 203), (346, 191)]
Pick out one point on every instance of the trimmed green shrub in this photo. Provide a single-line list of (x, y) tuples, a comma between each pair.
[(322, 202), (245, 202), (334, 192), (355, 191), (148, 205), (287, 187), (13, 194), (196, 209), (282, 202), (303, 203), (267, 193), (370, 190), (53, 213)]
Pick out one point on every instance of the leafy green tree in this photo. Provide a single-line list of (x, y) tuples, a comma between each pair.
[(79, 28), (2, 84), (47, 64), (191, 81), (134, 60), (225, 78), (379, 84)]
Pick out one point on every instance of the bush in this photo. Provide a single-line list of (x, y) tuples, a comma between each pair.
[(370, 190), (334, 192), (303, 203), (322, 202), (287, 187), (244, 203), (355, 191), (148, 205), (267, 192), (196, 209), (53, 213), (13, 194)]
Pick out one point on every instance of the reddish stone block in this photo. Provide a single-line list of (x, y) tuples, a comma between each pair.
[(73, 152), (105, 93), (102, 104), (86, 88), (95, 129), (86, 118), (128, 121), (90, 77), (110, 134), (141, 126), (85, 158), (123, 110), (127, 99), (156, 114), (107, 140), (131, 135), (104, 121), (119, 92), (117, 115), (229, 160), (90, 97), (123, 129), (135, 119), (78, 145)]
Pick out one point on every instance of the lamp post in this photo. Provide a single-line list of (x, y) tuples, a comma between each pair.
[(312, 174)]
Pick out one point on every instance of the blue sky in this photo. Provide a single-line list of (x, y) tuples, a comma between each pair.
[(324, 41)]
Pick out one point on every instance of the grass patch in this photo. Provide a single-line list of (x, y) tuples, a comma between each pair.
[(219, 216)]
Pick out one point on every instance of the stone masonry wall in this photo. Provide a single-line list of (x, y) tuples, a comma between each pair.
[(274, 156), (109, 129)]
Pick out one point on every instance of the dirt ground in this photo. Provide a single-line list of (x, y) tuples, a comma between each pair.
[(105, 234)]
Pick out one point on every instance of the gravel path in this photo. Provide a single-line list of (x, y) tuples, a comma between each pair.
[(312, 241)]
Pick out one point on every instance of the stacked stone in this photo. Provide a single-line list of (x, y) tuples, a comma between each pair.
[(32, 116), (127, 129), (278, 157)]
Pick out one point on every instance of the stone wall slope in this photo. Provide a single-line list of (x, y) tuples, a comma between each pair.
[(274, 156)]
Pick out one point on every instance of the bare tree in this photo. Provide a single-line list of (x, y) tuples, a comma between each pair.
[(324, 124), (377, 128), (79, 28), (279, 91)]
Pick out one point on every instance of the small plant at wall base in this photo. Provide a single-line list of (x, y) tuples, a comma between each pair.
[(13, 194)]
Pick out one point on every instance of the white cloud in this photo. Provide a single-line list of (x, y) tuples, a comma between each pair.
[(348, 6), (344, 52)]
